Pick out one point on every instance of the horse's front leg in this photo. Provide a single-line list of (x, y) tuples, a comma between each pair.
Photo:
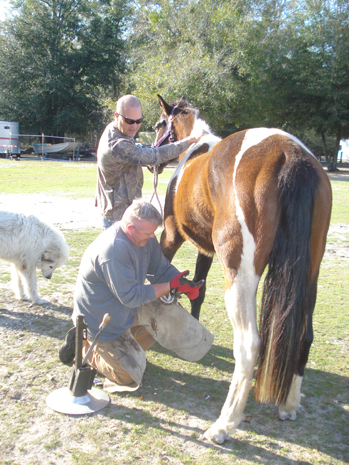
[(240, 301), (171, 239), (203, 265)]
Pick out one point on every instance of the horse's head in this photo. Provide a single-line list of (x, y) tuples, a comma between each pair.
[(175, 123)]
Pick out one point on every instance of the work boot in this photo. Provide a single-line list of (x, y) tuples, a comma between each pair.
[(67, 351)]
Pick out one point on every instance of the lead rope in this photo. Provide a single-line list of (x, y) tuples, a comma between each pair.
[(169, 298), (155, 184)]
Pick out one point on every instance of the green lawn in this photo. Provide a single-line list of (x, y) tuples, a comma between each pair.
[(76, 179)]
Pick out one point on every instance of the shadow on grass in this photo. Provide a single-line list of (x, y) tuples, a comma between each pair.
[(36, 319), (199, 390), (217, 355), (190, 434), (198, 397), (325, 401)]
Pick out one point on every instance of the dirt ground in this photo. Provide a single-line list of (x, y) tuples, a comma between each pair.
[(62, 212)]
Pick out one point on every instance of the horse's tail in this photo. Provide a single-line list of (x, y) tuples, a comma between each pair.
[(286, 286)]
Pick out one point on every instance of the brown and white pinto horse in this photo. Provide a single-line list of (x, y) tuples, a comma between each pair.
[(257, 198)]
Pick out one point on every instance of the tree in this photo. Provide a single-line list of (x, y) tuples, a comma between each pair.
[(303, 63), (192, 48), (246, 63), (61, 60)]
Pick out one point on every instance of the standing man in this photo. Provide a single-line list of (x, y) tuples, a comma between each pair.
[(111, 280), (119, 160)]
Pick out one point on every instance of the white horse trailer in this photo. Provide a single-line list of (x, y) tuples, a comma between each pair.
[(9, 139), (343, 152)]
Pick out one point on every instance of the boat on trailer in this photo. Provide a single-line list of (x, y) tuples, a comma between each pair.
[(63, 148)]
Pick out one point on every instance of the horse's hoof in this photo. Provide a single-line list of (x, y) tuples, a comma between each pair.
[(283, 415), (216, 435), (39, 301)]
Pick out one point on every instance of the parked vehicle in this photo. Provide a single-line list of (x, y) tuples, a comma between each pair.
[(64, 147), (343, 152), (9, 139)]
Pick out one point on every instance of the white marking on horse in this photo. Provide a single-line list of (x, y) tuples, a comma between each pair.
[(252, 137), (241, 307), (240, 301), (200, 125), (209, 139), (288, 411), (258, 134)]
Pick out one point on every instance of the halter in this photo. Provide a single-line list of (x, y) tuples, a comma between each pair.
[(169, 131)]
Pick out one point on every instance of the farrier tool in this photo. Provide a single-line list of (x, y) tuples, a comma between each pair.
[(80, 398)]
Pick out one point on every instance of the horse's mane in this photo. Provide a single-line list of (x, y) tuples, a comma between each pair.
[(184, 104), (201, 124)]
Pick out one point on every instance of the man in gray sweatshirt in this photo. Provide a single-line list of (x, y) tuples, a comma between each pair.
[(112, 280)]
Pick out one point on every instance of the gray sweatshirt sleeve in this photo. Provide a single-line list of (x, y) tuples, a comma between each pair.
[(160, 269), (120, 273)]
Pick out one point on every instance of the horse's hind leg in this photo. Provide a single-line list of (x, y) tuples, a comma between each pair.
[(240, 300), (203, 265), (322, 210)]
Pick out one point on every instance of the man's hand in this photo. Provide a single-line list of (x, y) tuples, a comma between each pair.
[(182, 285)]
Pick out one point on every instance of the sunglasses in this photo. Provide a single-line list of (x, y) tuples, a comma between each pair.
[(132, 121)]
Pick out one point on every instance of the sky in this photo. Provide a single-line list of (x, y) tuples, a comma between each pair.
[(3, 8)]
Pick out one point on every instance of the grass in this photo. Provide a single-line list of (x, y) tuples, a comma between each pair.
[(75, 179), (340, 211), (163, 421)]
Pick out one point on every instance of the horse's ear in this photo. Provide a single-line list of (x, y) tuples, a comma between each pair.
[(166, 108), (183, 101)]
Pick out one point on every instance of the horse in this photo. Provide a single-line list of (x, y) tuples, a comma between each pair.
[(258, 198)]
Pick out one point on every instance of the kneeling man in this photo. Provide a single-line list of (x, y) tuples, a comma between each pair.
[(112, 280)]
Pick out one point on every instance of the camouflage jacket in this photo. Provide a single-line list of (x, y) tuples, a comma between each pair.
[(119, 169)]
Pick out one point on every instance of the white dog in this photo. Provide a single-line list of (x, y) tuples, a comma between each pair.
[(27, 243)]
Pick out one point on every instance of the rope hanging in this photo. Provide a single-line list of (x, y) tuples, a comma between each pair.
[(155, 184), (169, 298)]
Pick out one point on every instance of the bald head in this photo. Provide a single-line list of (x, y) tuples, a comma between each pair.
[(127, 102), (128, 115)]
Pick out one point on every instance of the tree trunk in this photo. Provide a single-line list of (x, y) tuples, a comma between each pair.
[(323, 138), (338, 139), (331, 159)]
